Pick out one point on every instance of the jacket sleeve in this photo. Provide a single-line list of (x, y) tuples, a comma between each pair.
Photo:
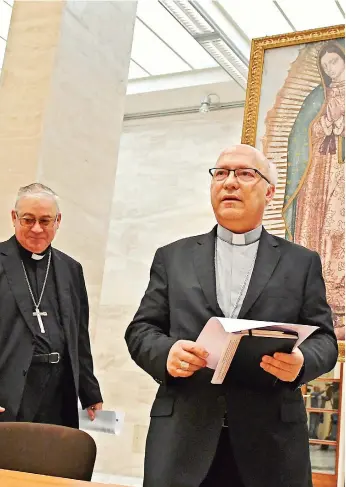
[(320, 350), (147, 336), (89, 389)]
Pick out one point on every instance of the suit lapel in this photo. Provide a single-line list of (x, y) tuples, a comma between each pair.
[(62, 278), (268, 256), (16, 279), (204, 262)]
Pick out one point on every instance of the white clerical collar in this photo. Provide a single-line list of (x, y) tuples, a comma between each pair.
[(239, 238), (26, 254), (37, 256)]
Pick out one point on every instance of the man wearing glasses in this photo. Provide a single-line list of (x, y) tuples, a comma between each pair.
[(237, 434), (45, 357)]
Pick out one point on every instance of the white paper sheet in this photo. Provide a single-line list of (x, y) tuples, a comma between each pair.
[(110, 422), (221, 337)]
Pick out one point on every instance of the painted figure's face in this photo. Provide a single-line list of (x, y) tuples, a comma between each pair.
[(333, 65)]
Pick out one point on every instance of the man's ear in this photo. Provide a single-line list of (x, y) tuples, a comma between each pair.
[(270, 193), (58, 220), (13, 216)]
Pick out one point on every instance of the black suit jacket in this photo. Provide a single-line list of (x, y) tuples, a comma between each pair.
[(267, 427), (17, 334)]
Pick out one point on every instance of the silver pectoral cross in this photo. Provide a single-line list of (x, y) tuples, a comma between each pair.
[(38, 315)]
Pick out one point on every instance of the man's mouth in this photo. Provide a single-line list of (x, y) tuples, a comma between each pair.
[(231, 197)]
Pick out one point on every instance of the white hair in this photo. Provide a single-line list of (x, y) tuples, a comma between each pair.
[(37, 190), (245, 148)]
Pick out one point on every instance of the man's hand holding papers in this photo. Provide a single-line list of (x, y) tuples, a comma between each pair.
[(185, 358), (249, 346), (284, 366)]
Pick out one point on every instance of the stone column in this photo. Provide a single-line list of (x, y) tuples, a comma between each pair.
[(62, 95)]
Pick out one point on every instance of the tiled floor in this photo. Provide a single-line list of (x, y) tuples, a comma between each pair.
[(115, 479), (322, 461)]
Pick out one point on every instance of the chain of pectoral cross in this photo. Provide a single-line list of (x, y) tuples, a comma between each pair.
[(37, 311)]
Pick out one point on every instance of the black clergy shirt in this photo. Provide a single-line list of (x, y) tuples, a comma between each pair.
[(53, 340)]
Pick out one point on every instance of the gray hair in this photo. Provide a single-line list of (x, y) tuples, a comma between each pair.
[(37, 190), (272, 170)]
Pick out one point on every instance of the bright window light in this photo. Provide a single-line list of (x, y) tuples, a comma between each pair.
[(153, 54), (311, 14), (5, 18), (162, 23), (136, 71), (2, 52), (257, 18)]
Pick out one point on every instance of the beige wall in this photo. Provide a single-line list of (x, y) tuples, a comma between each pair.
[(161, 194), (62, 97)]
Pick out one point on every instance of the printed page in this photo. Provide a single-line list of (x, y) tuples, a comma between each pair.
[(105, 421)]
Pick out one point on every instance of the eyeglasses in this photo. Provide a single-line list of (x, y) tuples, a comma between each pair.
[(244, 175), (29, 222)]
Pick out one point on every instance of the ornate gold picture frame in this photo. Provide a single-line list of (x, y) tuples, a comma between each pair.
[(293, 113)]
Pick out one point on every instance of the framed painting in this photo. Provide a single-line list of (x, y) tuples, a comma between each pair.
[(295, 114)]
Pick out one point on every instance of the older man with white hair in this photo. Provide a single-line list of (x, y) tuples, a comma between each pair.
[(45, 357), (240, 433)]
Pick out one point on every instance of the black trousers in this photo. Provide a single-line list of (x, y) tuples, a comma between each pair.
[(223, 471), (44, 397)]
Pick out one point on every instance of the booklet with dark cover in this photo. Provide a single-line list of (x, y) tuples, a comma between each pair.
[(236, 347), (245, 366)]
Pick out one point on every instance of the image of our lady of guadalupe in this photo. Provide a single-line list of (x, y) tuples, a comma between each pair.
[(314, 207)]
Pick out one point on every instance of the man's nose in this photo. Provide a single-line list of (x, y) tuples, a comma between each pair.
[(231, 180), (37, 227)]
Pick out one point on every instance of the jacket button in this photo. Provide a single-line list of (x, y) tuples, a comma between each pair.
[(24, 372)]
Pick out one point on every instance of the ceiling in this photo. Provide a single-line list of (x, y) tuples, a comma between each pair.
[(179, 43), (184, 50), (173, 36)]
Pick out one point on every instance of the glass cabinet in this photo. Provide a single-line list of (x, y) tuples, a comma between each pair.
[(322, 398)]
